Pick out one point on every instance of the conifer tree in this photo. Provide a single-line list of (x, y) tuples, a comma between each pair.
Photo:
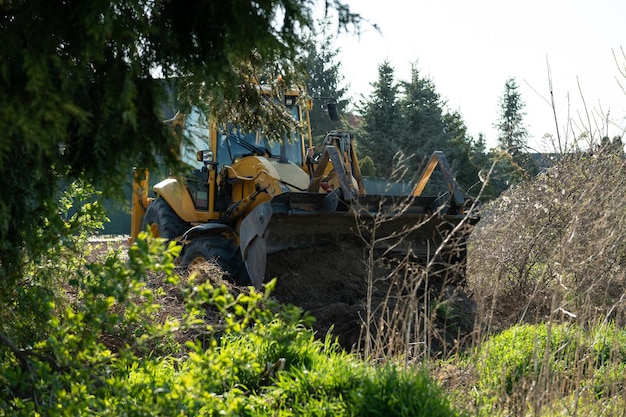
[(517, 165), (513, 135), (323, 81), (422, 110), (428, 126), (379, 130)]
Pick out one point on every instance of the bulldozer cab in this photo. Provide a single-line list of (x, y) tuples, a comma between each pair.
[(233, 143), (205, 140), (216, 153), (196, 137)]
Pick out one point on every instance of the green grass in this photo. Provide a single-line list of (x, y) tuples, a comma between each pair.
[(546, 369)]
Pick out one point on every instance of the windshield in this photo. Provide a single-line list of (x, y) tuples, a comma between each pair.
[(233, 143)]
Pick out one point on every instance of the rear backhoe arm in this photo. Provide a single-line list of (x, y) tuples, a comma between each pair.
[(338, 166), (331, 154)]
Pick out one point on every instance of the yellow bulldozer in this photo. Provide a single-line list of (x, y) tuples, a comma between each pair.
[(247, 197)]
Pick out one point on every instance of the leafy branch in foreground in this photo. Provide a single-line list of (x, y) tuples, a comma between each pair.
[(83, 97)]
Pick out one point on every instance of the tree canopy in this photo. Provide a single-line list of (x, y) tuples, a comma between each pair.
[(323, 80), (411, 117), (78, 96)]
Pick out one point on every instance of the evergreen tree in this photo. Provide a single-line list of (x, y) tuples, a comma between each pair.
[(513, 135), (467, 156), (324, 81), (428, 126), (423, 124), (411, 118), (378, 132), (515, 164)]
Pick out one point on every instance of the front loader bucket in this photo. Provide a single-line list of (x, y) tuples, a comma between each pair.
[(427, 229)]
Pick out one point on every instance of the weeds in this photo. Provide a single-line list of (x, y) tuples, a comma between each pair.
[(415, 305), (532, 365)]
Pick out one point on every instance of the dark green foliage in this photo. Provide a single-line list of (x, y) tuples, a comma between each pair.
[(35, 296), (78, 98), (403, 124), (423, 118), (506, 173), (323, 81), (379, 131), (467, 155)]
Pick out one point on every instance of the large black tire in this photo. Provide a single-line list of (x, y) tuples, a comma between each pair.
[(163, 220), (221, 250)]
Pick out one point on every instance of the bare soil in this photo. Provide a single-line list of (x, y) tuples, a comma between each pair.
[(330, 282)]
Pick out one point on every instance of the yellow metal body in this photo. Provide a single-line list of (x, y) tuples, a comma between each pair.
[(177, 196), (139, 202)]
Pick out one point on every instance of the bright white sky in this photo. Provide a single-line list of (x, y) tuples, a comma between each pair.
[(469, 48)]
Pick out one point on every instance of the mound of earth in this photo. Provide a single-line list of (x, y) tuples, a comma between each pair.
[(331, 282)]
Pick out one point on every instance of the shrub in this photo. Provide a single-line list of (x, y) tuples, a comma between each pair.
[(554, 247), (366, 165), (522, 352), (532, 366)]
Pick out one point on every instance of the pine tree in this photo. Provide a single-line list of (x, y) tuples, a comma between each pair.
[(422, 110), (515, 164), (324, 81), (513, 134), (428, 126), (411, 118), (379, 130), (467, 156)]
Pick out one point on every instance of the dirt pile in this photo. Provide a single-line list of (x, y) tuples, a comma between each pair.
[(401, 307), (330, 282)]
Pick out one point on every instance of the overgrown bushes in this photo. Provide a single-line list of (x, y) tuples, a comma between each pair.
[(547, 270), (556, 246)]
